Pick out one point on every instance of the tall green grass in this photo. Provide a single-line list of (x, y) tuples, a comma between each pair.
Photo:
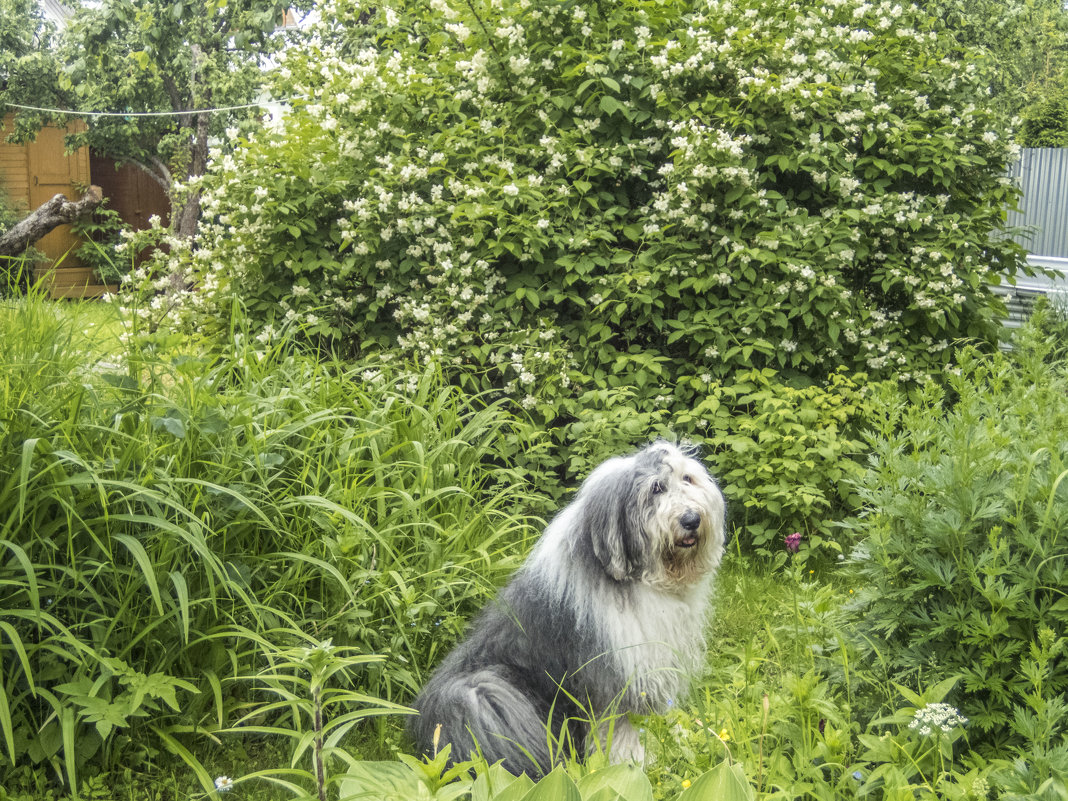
[(171, 524)]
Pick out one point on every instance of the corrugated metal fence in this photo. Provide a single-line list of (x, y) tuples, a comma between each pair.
[(1042, 174)]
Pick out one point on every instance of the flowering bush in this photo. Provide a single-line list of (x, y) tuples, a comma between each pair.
[(559, 200)]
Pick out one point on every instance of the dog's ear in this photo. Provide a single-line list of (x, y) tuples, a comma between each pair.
[(611, 523)]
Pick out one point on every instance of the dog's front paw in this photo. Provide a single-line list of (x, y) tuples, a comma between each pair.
[(623, 742)]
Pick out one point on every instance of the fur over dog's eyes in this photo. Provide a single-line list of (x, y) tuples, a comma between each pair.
[(658, 487)]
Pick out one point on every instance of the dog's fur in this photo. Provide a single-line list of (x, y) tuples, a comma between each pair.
[(605, 617)]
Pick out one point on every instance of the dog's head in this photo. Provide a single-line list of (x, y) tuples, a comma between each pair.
[(656, 516)]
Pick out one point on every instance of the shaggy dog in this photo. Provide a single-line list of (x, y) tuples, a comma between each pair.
[(605, 617)]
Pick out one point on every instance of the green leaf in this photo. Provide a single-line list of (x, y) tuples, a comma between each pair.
[(5, 720), (387, 781), (497, 784), (609, 105), (69, 728), (172, 425), (556, 786), (725, 782), (179, 750), (626, 782), (139, 554)]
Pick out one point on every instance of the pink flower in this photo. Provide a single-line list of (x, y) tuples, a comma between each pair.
[(793, 542)]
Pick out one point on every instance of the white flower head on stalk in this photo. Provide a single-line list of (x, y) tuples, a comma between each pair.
[(936, 717)]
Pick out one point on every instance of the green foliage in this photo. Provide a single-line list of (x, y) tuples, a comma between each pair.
[(1023, 41), (9, 215), (155, 57), (100, 234), (171, 522), (316, 716), (639, 194), (29, 70), (962, 560), (391, 781), (1045, 124), (917, 746), (606, 213), (785, 455)]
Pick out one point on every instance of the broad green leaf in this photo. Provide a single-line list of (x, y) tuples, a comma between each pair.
[(497, 784), (724, 782), (555, 786), (626, 782), (385, 781)]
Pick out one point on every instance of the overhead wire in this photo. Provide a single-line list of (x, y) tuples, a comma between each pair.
[(73, 112)]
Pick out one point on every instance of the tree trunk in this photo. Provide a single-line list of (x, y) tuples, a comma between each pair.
[(51, 214), (186, 215)]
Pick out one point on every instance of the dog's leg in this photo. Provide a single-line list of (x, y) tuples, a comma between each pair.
[(623, 741), (482, 712)]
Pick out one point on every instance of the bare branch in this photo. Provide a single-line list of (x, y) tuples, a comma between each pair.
[(51, 214)]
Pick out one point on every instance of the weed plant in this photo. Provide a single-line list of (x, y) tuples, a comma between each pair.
[(962, 569)]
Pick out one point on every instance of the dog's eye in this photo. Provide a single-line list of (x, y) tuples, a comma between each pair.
[(658, 487), (687, 479)]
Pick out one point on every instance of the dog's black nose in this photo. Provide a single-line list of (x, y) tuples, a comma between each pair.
[(690, 520)]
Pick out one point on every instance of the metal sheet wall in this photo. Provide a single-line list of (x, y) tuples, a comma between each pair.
[(1042, 174)]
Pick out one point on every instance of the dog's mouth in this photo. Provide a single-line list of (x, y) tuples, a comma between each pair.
[(687, 540)]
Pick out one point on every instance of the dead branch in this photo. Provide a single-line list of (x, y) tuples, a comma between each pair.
[(55, 212)]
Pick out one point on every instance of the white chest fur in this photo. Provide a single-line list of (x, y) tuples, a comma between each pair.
[(656, 642)]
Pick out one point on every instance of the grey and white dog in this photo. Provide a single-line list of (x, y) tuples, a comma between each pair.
[(605, 617)]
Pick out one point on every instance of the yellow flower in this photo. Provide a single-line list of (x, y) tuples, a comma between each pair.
[(724, 735), (685, 783)]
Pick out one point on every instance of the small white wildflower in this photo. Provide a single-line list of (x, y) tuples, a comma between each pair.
[(224, 784), (936, 716)]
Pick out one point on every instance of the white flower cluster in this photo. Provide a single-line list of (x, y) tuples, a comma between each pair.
[(936, 717)]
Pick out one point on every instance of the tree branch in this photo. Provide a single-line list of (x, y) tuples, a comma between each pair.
[(51, 214)]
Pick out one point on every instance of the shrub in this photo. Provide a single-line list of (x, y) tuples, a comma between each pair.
[(578, 204), (1045, 124), (100, 234), (962, 564), (785, 455), (639, 194)]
